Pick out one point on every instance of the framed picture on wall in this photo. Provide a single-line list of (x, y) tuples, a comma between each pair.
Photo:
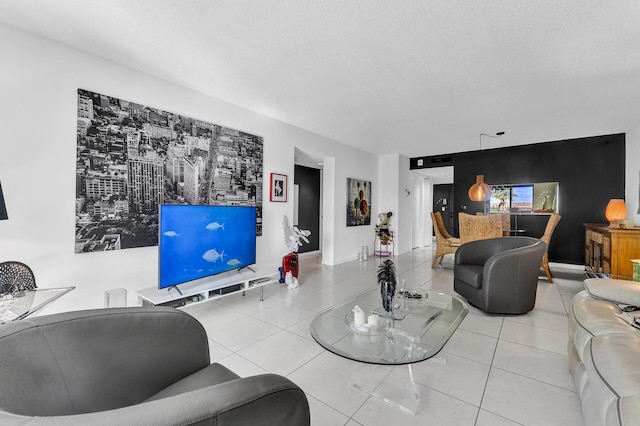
[(136, 161), (358, 202), (278, 188)]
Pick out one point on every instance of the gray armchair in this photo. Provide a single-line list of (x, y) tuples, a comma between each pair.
[(131, 366), (499, 275)]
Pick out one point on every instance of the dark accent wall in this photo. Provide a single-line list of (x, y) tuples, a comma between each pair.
[(308, 180), (590, 172)]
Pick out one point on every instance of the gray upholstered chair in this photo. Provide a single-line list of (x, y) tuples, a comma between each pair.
[(131, 366), (499, 275)]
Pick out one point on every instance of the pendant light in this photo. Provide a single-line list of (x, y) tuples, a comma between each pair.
[(480, 191)]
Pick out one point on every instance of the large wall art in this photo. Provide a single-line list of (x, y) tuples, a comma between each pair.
[(358, 202), (131, 158)]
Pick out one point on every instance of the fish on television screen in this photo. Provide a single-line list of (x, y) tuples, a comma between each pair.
[(200, 241)]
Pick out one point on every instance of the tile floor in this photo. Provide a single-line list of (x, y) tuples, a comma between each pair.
[(495, 370)]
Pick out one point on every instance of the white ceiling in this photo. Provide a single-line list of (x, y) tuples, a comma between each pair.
[(414, 77)]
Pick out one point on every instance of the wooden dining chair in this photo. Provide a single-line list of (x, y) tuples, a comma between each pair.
[(546, 237), (445, 242), (479, 227)]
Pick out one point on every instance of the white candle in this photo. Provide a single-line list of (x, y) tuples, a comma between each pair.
[(358, 316), (372, 320)]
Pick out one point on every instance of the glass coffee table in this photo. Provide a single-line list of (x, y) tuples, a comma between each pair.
[(19, 305), (420, 325)]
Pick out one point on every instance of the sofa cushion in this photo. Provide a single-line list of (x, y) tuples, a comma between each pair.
[(618, 291)]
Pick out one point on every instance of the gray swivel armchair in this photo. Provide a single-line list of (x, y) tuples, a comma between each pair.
[(131, 366), (499, 275)]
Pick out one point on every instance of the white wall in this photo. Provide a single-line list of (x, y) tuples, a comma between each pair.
[(632, 168), (350, 239), (405, 205), (38, 106), (422, 207), (395, 179)]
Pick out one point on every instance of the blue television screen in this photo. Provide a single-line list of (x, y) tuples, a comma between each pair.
[(199, 241)]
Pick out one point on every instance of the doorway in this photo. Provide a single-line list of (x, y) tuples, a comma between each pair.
[(442, 197), (307, 204), (427, 181)]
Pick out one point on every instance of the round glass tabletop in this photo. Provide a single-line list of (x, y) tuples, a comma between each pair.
[(419, 326)]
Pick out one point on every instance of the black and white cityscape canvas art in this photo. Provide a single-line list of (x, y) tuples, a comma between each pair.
[(132, 158)]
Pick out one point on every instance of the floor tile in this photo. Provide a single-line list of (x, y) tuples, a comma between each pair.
[(327, 376), (486, 418), (281, 353), (548, 367), (450, 374), (241, 366), (540, 317), (302, 328), (323, 415), (210, 314), (217, 351), (530, 401), (436, 409), (241, 333), (488, 325), (314, 300), (283, 315), (473, 346), (541, 338), (250, 303)]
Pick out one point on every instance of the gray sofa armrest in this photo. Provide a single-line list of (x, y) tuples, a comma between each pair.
[(266, 399)]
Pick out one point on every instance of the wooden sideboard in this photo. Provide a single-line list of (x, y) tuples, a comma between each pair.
[(610, 250)]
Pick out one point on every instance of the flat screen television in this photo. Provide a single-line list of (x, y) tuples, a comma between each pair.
[(199, 241)]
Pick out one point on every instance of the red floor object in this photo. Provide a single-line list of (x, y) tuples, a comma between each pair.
[(290, 264)]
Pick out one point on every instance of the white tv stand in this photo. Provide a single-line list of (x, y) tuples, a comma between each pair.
[(210, 288)]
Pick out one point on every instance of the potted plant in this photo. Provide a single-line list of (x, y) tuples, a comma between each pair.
[(387, 281)]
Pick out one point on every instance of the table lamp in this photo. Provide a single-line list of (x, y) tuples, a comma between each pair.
[(616, 212)]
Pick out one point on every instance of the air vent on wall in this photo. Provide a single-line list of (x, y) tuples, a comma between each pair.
[(441, 159), (428, 162)]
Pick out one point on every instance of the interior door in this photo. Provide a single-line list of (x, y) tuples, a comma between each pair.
[(442, 202)]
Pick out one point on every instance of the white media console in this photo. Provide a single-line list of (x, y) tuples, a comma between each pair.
[(210, 288)]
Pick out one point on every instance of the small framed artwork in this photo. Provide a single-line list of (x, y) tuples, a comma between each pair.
[(278, 188)]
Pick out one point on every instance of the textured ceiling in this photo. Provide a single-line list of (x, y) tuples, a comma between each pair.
[(387, 76)]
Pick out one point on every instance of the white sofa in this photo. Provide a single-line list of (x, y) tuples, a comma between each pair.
[(604, 352)]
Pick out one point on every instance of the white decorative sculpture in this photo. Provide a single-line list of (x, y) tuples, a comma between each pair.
[(293, 236)]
